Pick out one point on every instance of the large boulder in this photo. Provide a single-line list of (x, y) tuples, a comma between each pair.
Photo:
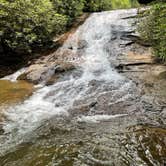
[(38, 73)]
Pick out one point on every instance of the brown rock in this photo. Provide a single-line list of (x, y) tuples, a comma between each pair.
[(45, 72)]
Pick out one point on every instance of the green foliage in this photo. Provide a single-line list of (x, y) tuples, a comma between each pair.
[(124, 4), (25, 23), (97, 5), (29, 24), (70, 8), (103, 5), (153, 29)]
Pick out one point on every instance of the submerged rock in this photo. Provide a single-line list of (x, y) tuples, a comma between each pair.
[(14, 92), (82, 44)]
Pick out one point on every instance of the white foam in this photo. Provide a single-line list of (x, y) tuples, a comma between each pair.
[(98, 118), (13, 77)]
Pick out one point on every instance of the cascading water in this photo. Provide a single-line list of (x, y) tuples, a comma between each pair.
[(96, 32), (13, 77), (94, 82)]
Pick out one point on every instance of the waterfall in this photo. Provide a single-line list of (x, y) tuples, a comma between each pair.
[(93, 77)]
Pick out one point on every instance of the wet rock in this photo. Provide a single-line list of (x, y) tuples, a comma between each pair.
[(1, 130), (82, 109), (93, 104), (163, 113), (134, 37), (149, 142), (35, 73), (45, 72), (126, 43), (149, 84), (130, 36), (63, 67), (82, 44), (133, 58), (162, 75), (52, 80)]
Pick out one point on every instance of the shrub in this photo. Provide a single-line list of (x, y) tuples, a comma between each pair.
[(70, 8), (25, 23), (97, 5), (103, 5), (124, 4), (153, 29)]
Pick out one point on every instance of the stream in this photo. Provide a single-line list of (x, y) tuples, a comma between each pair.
[(93, 115)]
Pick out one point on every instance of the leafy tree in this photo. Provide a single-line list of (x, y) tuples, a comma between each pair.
[(70, 8), (25, 23), (97, 5), (153, 29), (102, 5), (124, 4)]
